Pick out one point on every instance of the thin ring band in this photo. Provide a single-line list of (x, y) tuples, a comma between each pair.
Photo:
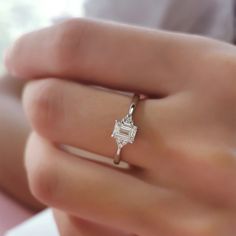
[(125, 131)]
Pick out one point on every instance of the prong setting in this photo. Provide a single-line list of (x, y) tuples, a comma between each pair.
[(125, 131)]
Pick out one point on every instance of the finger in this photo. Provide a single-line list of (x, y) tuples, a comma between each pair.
[(112, 55), (84, 117), (71, 225), (169, 141), (88, 190), (102, 195)]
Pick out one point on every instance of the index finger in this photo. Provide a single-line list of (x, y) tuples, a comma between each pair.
[(112, 55)]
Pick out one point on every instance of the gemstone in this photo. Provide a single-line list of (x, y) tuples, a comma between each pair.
[(124, 132)]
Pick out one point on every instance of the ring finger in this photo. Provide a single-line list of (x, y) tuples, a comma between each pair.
[(84, 117)]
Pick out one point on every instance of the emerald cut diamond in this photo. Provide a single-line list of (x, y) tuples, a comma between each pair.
[(124, 132)]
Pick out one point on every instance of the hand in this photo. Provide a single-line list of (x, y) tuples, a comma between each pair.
[(182, 175)]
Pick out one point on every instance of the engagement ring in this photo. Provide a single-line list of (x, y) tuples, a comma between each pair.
[(125, 131)]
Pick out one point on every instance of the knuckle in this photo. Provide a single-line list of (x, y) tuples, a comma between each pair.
[(221, 71), (41, 171), (17, 67), (42, 182), (69, 40), (42, 103)]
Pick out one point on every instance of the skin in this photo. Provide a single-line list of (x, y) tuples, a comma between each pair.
[(181, 178), (14, 130)]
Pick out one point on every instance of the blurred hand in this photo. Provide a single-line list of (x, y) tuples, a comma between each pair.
[(182, 175)]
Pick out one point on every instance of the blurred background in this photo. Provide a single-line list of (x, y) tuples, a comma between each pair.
[(20, 16)]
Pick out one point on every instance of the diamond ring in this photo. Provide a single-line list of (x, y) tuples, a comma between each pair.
[(125, 131)]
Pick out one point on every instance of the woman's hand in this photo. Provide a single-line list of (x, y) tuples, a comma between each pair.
[(182, 175)]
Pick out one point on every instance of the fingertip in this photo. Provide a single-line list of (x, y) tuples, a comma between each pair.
[(6, 57), (7, 61)]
